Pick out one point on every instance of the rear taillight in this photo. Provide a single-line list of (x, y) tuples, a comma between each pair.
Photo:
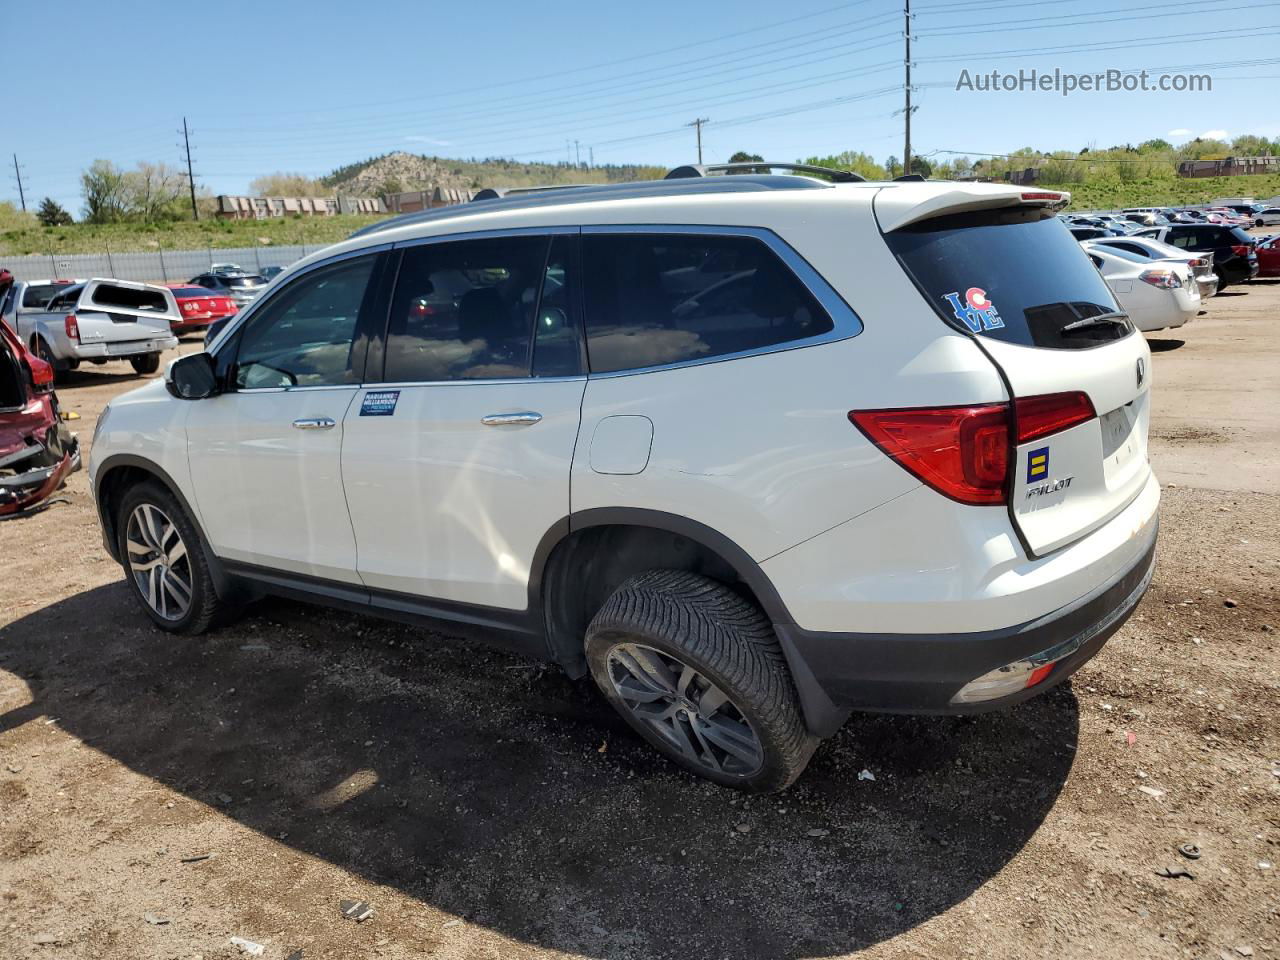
[(1197, 262), (41, 374), (70, 325), (1164, 279), (1241, 249), (963, 452), (1052, 413)]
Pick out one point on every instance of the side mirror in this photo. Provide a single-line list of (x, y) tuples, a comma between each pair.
[(192, 377)]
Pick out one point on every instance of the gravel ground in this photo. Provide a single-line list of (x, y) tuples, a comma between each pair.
[(487, 807)]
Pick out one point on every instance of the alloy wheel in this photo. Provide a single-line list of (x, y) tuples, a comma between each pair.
[(684, 709), (159, 562)]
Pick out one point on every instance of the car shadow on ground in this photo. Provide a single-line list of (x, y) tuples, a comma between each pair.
[(1164, 344), (90, 375), (499, 791)]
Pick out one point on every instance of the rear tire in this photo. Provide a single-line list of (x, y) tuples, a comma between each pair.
[(697, 671), (146, 364), (164, 561)]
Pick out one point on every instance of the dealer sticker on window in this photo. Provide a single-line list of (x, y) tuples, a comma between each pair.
[(379, 403)]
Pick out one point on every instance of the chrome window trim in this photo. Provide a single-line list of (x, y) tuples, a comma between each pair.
[(407, 384), (845, 323), (311, 389), (496, 233), (270, 293)]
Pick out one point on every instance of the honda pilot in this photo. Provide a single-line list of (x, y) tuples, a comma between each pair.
[(752, 451)]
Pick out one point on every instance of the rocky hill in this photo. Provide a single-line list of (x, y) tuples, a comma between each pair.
[(395, 172)]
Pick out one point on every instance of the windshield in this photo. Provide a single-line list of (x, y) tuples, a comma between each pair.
[(1009, 275), (252, 281)]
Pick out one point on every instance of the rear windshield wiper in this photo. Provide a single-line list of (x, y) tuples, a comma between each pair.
[(1117, 317)]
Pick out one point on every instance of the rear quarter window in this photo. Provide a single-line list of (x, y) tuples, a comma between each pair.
[(1009, 274), (658, 299)]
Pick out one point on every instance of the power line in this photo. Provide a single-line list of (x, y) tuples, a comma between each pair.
[(1038, 23), (1125, 44)]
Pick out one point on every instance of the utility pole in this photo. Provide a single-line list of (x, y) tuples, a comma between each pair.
[(577, 154), (191, 180), (698, 124), (906, 33), (17, 172), (591, 154)]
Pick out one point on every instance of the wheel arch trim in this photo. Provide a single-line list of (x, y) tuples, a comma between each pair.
[(221, 581)]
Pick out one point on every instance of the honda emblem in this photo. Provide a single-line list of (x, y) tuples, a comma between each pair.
[(1142, 371)]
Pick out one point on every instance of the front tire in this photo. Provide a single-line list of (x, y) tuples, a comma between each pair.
[(164, 562), (697, 671), (146, 364)]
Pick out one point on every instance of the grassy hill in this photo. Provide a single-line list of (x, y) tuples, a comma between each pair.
[(1166, 191)]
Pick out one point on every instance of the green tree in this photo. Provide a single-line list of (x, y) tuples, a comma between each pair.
[(1249, 145), (860, 163), (282, 184), (103, 189), (743, 157), (51, 213)]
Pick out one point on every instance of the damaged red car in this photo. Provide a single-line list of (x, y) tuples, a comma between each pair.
[(37, 452)]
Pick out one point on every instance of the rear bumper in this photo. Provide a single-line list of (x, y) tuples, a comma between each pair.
[(121, 349), (40, 474), (921, 673)]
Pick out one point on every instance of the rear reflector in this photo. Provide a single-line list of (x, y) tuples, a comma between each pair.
[(963, 452)]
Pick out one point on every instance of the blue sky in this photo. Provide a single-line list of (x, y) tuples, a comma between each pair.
[(305, 87)]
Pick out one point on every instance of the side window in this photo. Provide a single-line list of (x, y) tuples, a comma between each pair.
[(1134, 249), (655, 299), (302, 337), (1179, 238), (463, 310)]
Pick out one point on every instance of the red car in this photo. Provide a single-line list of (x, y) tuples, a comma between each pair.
[(37, 452), (1269, 256), (199, 307)]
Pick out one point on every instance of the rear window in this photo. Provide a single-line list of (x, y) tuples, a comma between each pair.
[(39, 295), (192, 292), (1008, 275), (129, 298), (252, 281), (655, 299)]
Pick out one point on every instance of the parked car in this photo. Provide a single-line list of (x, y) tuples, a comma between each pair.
[(1268, 251), (1093, 233), (1234, 257), (241, 288), (270, 273), (100, 320), (1201, 264), (1155, 296), (227, 269), (888, 534), (1266, 217), (37, 452), (199, 307)]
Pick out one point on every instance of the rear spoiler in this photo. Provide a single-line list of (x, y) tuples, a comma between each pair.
[(896, 210)]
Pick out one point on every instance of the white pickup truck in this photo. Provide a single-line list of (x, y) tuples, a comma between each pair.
[(95, 320)]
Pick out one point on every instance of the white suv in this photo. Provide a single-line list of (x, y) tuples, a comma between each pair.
[(754, 450)]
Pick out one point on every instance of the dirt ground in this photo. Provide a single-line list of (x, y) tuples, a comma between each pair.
[(487, 807)]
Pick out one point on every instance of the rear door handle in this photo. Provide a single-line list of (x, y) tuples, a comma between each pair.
[(315, 423), (502, 419)]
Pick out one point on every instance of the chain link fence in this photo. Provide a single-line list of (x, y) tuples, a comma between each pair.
[(155, 266)]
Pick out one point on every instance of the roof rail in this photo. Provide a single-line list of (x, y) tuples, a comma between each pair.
[(497, 193), (587, 193), (707, 169)]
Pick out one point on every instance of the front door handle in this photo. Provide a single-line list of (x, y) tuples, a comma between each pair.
[(502, 419), (315, 423)]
